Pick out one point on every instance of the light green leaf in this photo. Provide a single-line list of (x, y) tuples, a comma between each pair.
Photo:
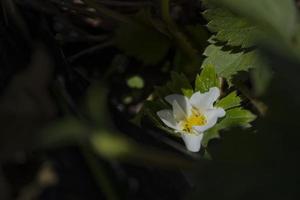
[(207, 79), (229, 28), (230, 101), (275, 16), (135, 82), (142, 41), (234, 117), (237, 117), (228, 63), (111, 145)]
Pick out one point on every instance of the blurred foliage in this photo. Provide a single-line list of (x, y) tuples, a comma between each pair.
[(68, 66)]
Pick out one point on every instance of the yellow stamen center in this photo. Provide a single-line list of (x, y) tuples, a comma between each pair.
[(195, 119)]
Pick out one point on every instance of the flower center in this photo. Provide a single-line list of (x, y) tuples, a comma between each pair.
[(195, 119)]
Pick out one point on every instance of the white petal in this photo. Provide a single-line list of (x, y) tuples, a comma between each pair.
[(206, 100), (167, 118), (182, 101), (212, 116), (178, 113), (192, 141)]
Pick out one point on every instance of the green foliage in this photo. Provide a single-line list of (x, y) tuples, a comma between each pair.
[(274, 16), (207, 79), (68, 131), (229, 28), (234, 117), (135, 82), (229, 63), (141, 40), (111, 145), (230, 101)]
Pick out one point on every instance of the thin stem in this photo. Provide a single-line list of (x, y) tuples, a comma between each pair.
[(90, 50)]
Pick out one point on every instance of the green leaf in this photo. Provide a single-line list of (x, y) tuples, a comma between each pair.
[(207, 79), (135, 82), (234, 117), (96, 106), (230, 101), (111, 145), (275, 16), (228, 63), (229, 28), (237, 117), (143, 41)]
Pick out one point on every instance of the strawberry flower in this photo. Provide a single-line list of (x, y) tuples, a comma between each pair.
[(191, 117)]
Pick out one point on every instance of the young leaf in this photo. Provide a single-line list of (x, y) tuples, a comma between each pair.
[(230, 101), (230, 28), (207, 79)]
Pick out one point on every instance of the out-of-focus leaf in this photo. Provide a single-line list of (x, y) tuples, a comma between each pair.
[(69, 131), (26, 105), (115, 146), (111, 145), (281, 17), (230, 101), (207, 79), (229, 28), (96, 106), (135, 82), (261, 78)]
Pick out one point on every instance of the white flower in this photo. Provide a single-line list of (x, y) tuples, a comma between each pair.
[(192, 116)]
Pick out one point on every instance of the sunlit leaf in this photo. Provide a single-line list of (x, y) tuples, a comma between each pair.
[(230, 101), (207, 79)]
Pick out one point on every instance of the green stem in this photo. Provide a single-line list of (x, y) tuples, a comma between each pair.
[(99, 174)]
